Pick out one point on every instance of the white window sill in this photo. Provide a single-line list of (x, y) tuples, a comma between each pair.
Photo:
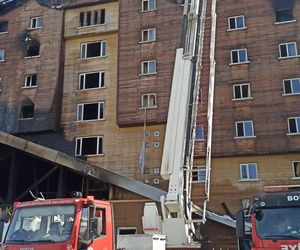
[(198, 182), (145, 11), (93, 25), (79, 90), (295, 178), (148, 74), (36, 28), (249, 180), (244, 137), (242, 99), (243, 28), (93, 57), (96, 155), (200, 140), (288, 57), (5, 32), (29, 87), (26, 119), (292, 134), (291, 94), (239, 63), (152, 41), (285, 22), (94, 120), (154, 107), (29, 57), (2, 61)]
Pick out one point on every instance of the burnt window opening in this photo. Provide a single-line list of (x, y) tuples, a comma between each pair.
[(33, 50), (89, 146), (27, 111), (283, 10), (4, 27)]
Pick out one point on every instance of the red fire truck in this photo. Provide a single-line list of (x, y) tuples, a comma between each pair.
[(274, 220)]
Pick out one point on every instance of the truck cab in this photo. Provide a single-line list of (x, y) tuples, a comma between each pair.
[(275, 221), (72, 223)]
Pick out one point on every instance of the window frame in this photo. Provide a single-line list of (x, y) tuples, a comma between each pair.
[(2, 51), (101, 84), (99, 19), (238, 54), (248, 136), (21, 111), (148, 95), (148, 31), (286, 21), (98, 137), (235, 22), (148, 63), (203, 134), (25, 81), (148, 5), (297, 126), (36, 27), (80, 109), (4, 32), (102, 49), (291, 86), (199, 169), (241, 92), (293, 169), (248, 172), (287, 51)]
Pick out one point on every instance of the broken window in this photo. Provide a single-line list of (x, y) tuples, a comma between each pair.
[(239, 56), (90, 111), (4, 27), (294, 125), (149, 100), (288, 50), (92, 80), (36, 22), (244, 129), (291, 86), (93, 49), (236, 22), (296, 169), (27, 111), (148, 5), (30, 81), (283, 10), (92, 17), (89, 146), (2, 55), (149, 35), (241, 91), (148, 67)]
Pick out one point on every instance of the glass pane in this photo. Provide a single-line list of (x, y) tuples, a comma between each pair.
[(152, 101), (296, 85), (102, 16), (152, 68), (292, 49), (1, 55), (81, 82), (83, 51), (240, 22), (245, 91), (4, 26), (152, 4), (298, 125), (89, 146), (79, 112), (102, 80), (248, 129), (40, 22), (199, 133), (152, 35), (92, 80), (232, 23), (243, 55), (292, 126), (101, 110), (144, 101), (145, 68), (240, 129), (244, 174), (287, 87), (100, 146), (237, 92), (252, 171), (78, 146), (103, 48), (145, 35), (234, 56), (283, 51)]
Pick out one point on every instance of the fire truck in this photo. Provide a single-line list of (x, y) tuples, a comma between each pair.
[(272, 221)]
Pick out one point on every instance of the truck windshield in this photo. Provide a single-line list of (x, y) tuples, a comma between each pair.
[(41, 224), (278, 223)]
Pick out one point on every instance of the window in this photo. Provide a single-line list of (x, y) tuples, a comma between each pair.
[(27, 111), (199, 174), (199, 133), (244, 129), (149, 100), (92, 17), (149, 35), (236, 22), (30, 81), (241, 91), (294, 125), (3, 27), (36, 22), (148, 67), (33, 50), (239, 56), (291, 86), (93, 49), (2, 55), (90, 111), (288, 50), (89, 146), (283, 10), (92, 80), (248, 171), (127, 230), (148, 5), (1, 83), (296, 169)]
